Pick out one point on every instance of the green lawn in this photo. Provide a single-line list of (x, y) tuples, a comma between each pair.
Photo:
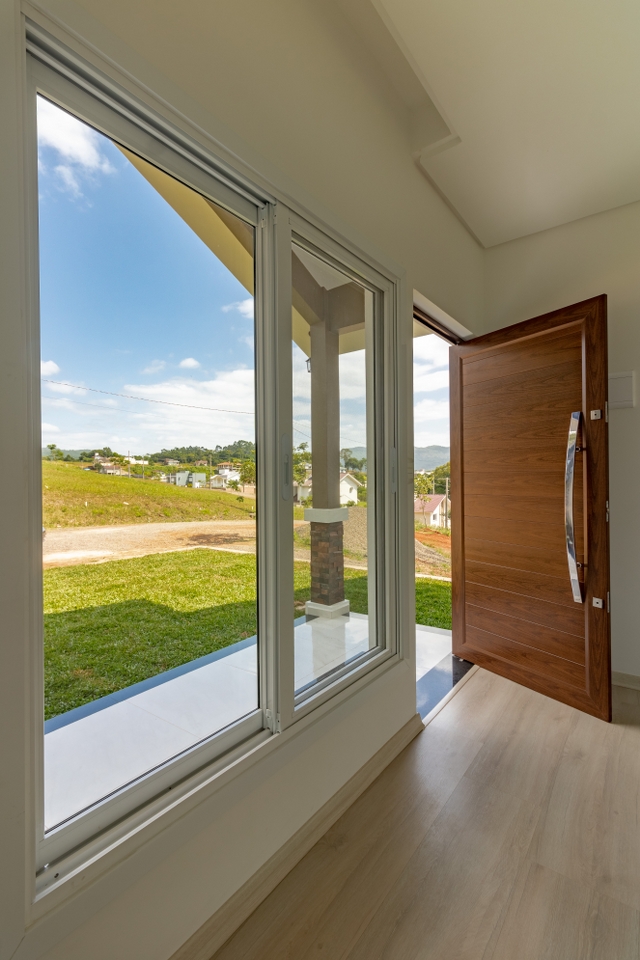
[(73, 497), (112, 624), (433, 603)]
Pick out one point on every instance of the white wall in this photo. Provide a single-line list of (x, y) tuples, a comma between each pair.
[(552, 269), (287, 86)]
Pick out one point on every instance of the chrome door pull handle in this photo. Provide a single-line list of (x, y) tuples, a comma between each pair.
[(574, 425)]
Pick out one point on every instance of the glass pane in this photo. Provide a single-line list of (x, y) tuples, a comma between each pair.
[(432, 501), (148, 465), (334, 516)]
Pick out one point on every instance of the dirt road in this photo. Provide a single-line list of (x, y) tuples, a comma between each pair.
[(78, 545), (74, 545)]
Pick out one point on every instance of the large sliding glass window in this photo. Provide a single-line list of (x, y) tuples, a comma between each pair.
[(333, 344), (169, 461), (149, 465)]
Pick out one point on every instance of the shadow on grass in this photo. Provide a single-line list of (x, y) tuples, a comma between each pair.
[(98, 650)]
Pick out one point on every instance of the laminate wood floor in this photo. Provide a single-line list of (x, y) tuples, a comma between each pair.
[(507, 830)]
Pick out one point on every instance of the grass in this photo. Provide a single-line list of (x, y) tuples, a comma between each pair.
[(73, 497), (113, 624), (433, 603)]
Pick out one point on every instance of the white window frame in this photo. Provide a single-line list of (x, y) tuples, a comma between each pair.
[(382, 430), (63, 77)]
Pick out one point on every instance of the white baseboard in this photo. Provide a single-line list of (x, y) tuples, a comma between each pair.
[(625, 680), (225, 921)]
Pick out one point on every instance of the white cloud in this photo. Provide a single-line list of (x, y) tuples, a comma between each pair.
[(431, 350), (48, 368), (143, 427), (69, 180), (426, 381), (77, 145), (243, 307), (189, 363), (156, 366), (48, 428), (431, 409), (353, 376)]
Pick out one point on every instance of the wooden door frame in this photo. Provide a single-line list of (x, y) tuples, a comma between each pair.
[(591, 315)]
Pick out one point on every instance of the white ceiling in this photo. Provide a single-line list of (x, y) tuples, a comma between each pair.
[(545, 98)]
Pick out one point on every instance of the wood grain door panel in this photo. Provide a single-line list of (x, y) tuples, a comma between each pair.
[(543, 639), (554, 348), (543, 665), (542, 560), (528, 533), (560, 380), (522, 582), (512, 395), (533, 610)]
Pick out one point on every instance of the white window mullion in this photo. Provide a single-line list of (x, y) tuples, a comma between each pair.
[(283, 634)]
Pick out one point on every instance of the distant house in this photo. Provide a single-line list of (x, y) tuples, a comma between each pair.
[(302, 491), (432, 508), (172, 463), (217, 482), (198, 479), (180, 479), (348, 489), (229, 471), (113, 469), (200, 463)]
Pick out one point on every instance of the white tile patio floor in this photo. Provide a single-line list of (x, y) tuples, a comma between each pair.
[(94, 750)]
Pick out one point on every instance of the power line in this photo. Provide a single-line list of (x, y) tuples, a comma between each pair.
[(127, 396), (169, 403)]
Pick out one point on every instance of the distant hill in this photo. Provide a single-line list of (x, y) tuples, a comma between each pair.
[(425, 458), (428, 458), (72, 453)]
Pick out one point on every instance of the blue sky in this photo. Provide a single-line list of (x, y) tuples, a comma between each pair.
[(132, 302)]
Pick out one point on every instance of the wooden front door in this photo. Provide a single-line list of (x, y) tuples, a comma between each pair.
[(529, 467)]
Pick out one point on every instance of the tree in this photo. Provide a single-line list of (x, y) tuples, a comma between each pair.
[(423, 488), (248, 472), (301, 463), (440, 475), (350, 462), (54, 452)]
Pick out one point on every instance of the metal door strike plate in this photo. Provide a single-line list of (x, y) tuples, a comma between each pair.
[(597, 602), (596, 414)]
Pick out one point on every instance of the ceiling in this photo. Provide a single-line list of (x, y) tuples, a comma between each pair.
[(540, 104)]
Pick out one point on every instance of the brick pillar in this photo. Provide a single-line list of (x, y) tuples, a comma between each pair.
[(327, 563)]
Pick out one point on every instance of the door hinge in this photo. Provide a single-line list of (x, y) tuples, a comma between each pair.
[(608, 606), (607, 511)]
